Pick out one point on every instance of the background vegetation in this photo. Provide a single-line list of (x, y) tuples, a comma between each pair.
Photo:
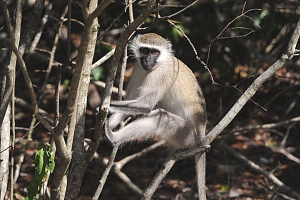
[(44, 97)]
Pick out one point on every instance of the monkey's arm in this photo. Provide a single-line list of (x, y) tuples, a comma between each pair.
[(141, 105), (130, 107), (123, 109)]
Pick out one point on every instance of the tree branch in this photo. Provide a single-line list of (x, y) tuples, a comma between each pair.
[(101, 7), (254, 87), (111, 76)]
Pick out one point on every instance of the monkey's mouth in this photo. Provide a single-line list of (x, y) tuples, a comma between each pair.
[(147, 66)]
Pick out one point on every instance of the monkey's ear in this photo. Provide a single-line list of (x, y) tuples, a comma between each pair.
[(134, 46), (169, 46)]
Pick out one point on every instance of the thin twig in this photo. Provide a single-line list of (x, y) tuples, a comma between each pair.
[(127, 159), (101, 7), (182, 10), (111, 25), (267, 126), (168, 164), (243, 14), (282, 144), (257, 83), (111, 76), (104, 58), (31, 26), (124, 62), (52, 54), (277, 193), (19, 57), (106, 172), (128, 182), (69, 29), (40, 28), (195, 51), (160, 175)]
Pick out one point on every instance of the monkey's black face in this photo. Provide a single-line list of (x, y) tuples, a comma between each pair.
[(148, 57)]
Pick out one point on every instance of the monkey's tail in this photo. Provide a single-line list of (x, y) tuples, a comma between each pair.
[(200, 171)]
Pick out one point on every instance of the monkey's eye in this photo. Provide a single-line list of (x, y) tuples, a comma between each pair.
[(144, 50), (154, 52)]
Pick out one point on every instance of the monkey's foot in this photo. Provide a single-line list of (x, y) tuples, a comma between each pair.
[(109, 134)]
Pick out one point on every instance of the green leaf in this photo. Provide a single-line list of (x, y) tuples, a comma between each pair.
[(97, 73), (224, 188), (40, 164), (66, 83), (33, 189), (44, 161)]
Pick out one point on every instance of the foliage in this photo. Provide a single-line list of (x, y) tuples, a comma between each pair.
[(44, 163), (42, 107)]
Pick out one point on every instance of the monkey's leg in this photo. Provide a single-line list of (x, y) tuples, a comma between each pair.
[(167, 126)]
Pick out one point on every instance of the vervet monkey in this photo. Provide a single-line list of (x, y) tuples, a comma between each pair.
[(165, 91)]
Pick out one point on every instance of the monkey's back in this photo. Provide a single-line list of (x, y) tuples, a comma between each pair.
[(187, 100), (172, 87)]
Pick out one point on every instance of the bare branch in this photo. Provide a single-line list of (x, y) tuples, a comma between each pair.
[(104, 58), (127, 159), (106, 172), (40, 29), (52, 53), (182, 10), (160, 175), (11, 68), (254, 87), (168, 164), (77, 122), (102, 84), (101, 7), (286, 154), (267, 126), (128, 182), (243, 14), (4, 153), (194, 49), (110, 79), (19, 57), (31, 26)]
